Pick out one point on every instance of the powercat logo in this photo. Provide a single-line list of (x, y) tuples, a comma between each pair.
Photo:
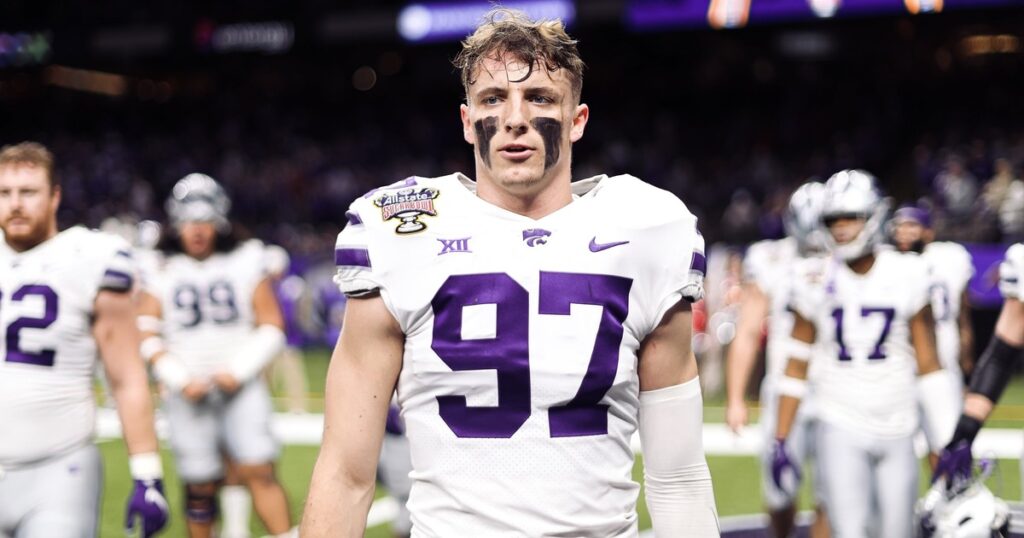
[(407, 205)]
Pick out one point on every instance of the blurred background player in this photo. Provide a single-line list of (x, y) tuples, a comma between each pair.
[(993, 372), (869, 312), (767, 275), (67, 296), (211, 324), (951, 269)]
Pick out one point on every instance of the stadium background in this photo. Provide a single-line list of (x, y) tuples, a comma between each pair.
[(298, 107)]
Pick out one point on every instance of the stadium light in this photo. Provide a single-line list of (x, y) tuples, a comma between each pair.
[(451, 21)]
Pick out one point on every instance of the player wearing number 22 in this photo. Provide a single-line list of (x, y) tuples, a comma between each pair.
[(529, 324), (868, 310), (210, 324), (64, 298)]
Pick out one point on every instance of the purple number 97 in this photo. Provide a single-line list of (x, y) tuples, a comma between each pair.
[(508, 353)]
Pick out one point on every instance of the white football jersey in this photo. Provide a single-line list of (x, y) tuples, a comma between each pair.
[(769, 265), (207, 304), (951, 269), (519, 384), (48, 352), (864, 372), (1011, 273)]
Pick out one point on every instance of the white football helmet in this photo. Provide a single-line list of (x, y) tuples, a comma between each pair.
[(199, 198), (803, 217), (973, 512), (853, 193)]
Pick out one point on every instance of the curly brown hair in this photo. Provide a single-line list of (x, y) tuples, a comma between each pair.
[(511, 32)]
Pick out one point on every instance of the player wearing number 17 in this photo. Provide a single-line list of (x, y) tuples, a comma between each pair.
[(64, 298), (529, 324), (868, 312)]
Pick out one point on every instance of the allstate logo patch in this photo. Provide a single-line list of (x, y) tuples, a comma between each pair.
[(407, 205)]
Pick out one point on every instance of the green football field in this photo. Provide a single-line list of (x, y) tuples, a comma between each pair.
[(736, 478)]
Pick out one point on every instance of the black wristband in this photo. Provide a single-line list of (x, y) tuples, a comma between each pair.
[(994, 369), (966, 430)]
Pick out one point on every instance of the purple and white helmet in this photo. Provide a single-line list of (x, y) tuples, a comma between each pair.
[(854, 193), (803, 217)]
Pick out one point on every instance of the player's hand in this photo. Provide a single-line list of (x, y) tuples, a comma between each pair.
[(227, 383), (954, 463), (785, 473), (148, 504), (196, 390), (736, 416)]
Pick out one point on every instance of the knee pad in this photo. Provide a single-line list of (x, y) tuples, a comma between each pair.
[(200, 506)]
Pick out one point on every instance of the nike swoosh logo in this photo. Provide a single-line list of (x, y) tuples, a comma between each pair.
[(595, 247)]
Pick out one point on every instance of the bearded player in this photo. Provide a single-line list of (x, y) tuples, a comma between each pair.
[(868, 310), (767, 272), (531, 325), (66, 298), (950, 269), (211, 323)]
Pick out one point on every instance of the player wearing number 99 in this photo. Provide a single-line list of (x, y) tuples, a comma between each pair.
[(869, 311), (530, 324), (210, 324), (64, 297)]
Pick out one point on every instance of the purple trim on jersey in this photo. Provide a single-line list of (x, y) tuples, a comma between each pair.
[(408, 182), (124, 254), (699, 264), (394, 424), (353, 257), (114, 280), (353, 218)]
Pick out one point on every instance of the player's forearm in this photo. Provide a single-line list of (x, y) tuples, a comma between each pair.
[(739, 365), (788, 406), (135, 409), (337, 504)]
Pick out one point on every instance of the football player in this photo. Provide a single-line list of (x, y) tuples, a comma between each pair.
[(868, 309), (766, 291), (951, 269), (66, 298), (531, 325), (211, 323), (993, 372)]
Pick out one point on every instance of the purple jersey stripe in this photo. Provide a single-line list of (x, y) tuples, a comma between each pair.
[(353, 218), (124, 254), (116, 281), (699, 264), (357, 257)]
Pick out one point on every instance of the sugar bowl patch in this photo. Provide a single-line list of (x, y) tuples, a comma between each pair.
[(407, 205)]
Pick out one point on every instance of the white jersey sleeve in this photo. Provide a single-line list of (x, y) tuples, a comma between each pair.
[(352, 256), (1010, 272), (680, 264)]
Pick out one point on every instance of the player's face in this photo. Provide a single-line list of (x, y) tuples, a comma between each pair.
[(845, 229), (198, 238), (522, 124), (28, 206), (906, 234)]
